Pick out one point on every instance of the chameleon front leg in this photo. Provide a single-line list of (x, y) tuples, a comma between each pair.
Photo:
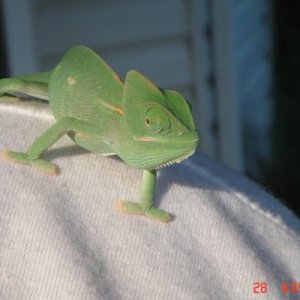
[(145, 206), (42, 143)]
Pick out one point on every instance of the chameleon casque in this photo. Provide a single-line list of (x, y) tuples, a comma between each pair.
[(148, 128)]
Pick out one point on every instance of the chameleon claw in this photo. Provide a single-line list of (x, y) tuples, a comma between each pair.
[(39, 164), (136, 208)]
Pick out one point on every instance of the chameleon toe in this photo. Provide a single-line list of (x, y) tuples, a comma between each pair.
[(158, 215), (18, 157), (136, 208), (39, 164), (45, 167), (130, 207)]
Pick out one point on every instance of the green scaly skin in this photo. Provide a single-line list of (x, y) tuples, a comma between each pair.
[(148, 128)]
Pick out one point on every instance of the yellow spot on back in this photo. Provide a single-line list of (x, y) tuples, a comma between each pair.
[(71, 80)]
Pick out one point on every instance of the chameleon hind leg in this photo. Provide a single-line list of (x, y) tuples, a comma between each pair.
[(145, 206), (35, 85), (42, 143)]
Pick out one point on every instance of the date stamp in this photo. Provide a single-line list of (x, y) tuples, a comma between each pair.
[(260, 287), (287, 287)]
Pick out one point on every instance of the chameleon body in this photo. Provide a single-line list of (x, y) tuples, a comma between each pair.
[(148, 128)]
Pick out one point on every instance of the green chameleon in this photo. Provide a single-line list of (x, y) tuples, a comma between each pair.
[(145, 126)]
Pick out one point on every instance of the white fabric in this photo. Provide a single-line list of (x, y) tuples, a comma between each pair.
[(61, 238)]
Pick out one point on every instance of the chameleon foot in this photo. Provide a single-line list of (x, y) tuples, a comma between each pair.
[(40, 164), (136, 208)]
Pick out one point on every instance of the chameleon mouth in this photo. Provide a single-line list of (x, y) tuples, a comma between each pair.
[(177, 160), (165, 153)]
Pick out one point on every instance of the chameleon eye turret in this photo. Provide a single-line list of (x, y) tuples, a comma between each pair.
[(149, 128), (157, 121)]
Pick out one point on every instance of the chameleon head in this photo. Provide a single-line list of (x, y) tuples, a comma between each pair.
[(159, 128)]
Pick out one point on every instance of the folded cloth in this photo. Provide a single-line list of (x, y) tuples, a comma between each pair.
[(61, 237)]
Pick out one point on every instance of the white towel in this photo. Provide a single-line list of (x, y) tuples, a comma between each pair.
[(61, 237)]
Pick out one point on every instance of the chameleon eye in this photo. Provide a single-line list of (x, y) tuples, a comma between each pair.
[(157, 120)]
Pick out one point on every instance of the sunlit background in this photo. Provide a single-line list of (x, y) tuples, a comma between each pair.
[(237, 61)]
